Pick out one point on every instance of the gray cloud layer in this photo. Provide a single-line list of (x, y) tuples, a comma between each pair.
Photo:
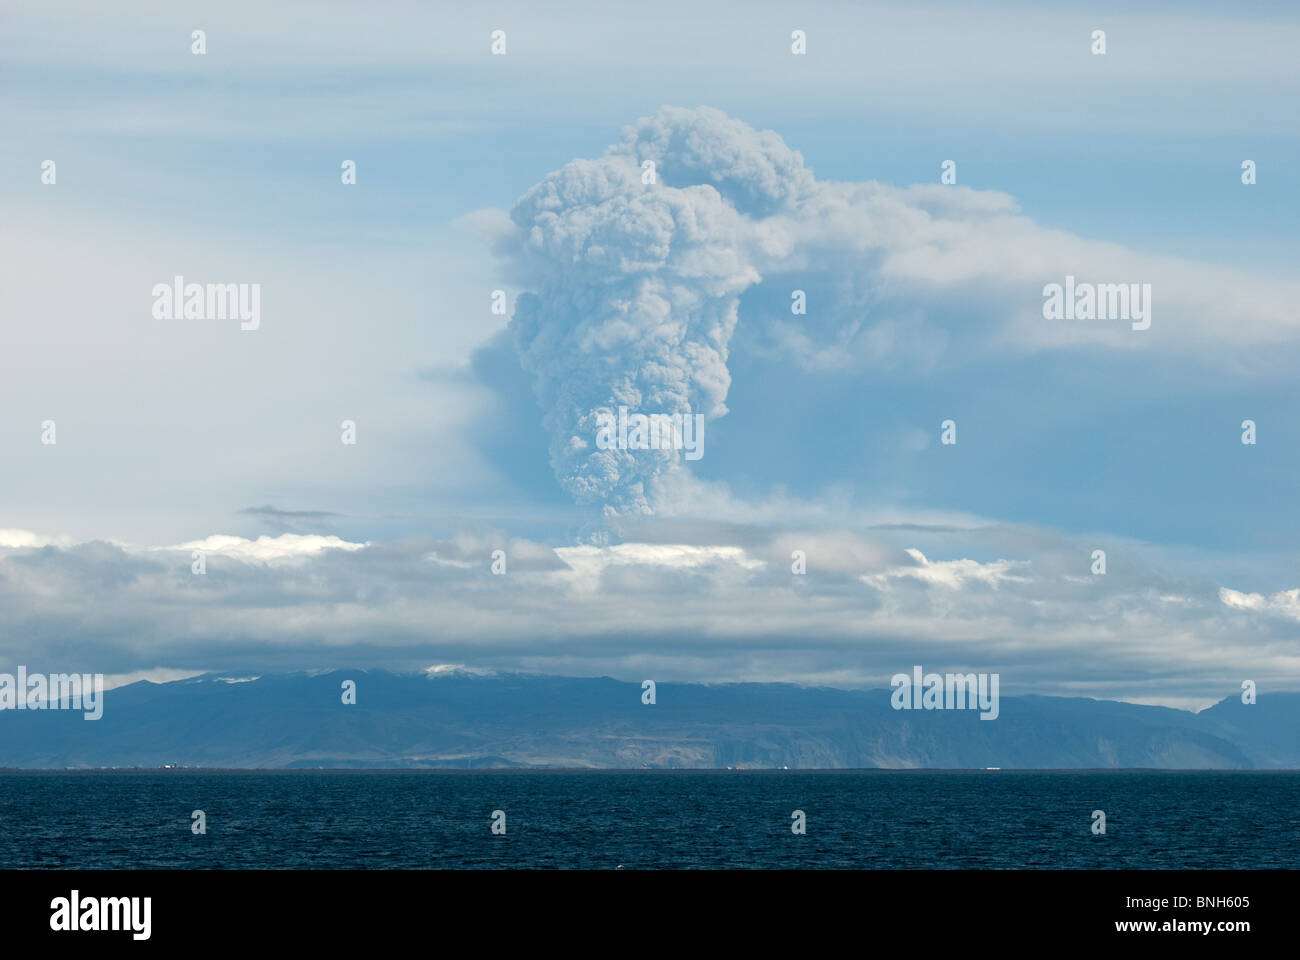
[(867, 607)]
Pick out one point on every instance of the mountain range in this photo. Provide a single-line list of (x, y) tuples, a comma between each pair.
[(465, 720)]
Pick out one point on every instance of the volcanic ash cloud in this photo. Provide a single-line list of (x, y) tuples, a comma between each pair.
[(635, 271)]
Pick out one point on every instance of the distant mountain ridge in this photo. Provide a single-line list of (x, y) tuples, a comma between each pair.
[(465, 720)]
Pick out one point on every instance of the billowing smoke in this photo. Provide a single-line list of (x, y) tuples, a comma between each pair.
[(636, 283), (635, 271)]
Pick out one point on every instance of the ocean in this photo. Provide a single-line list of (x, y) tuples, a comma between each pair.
[(649, 820)]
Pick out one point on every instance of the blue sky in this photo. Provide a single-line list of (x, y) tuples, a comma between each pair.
[(225, 167)]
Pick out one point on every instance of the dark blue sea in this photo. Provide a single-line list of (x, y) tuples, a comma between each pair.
[(649, 820)]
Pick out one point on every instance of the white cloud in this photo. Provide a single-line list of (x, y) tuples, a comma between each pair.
[(953, 574), (710, 610), (588, 562), (155, 675), (25, 538), (1284, 603), (285, 548)]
